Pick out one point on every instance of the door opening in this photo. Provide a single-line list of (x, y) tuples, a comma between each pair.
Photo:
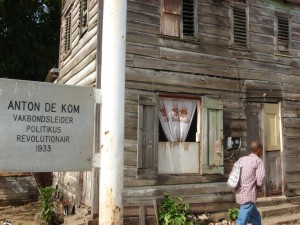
[(264, 123)]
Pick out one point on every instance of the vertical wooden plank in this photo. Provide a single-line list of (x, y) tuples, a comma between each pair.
[(155, 211), (148, 137), (87, 188), (220, 135), (215, 132), (212, 135), (142, 215), (155, 134), (253, 112), (95, 171), (204, 139), (140, 136)]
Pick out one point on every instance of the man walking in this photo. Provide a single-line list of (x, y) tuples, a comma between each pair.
[(252, 178)]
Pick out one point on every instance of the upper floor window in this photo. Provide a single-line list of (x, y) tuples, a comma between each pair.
[(67, 32), (239, 24), (179, 18), (83, 16), (282, 31)]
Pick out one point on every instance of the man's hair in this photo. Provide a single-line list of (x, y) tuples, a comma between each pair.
[(255, 145)]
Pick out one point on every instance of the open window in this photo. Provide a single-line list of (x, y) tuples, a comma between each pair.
[(183, 136), (178, 150), (179, 18)]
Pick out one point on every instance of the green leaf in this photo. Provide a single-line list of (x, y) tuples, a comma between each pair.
[(173, 211), (46, 203)]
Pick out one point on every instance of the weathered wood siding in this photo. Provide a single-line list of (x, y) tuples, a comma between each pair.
[(208, 66), (203, 66), (17, 189), (79, 67)]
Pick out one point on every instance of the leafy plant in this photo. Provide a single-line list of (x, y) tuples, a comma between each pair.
[(173, 211), (233, 213), (46, 203)]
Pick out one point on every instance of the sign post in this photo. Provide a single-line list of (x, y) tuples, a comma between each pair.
[(45, 127), (112, 112)]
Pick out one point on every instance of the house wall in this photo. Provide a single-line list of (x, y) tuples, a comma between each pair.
[(77, 68), (207, 66), (204, 66), (17, 189)]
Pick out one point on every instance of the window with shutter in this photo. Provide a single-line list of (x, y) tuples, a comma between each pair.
[(83, 16), (188, 18), (283, 34), (239, 25), (179, 18), (67, 33), (201, 152), (178, 148)]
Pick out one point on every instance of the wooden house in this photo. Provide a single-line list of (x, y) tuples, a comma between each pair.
[(228, 71)]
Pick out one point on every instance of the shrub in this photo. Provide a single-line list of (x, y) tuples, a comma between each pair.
[(173, 211), (46, 203), (233, 213)]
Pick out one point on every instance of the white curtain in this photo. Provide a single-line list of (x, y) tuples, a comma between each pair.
[(176, 116)]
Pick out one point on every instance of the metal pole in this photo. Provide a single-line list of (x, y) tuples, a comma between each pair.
[(112, 112)]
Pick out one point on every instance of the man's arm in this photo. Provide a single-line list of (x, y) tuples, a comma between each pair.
[(260, 174)]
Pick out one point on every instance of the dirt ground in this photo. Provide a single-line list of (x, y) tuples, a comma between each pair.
[(19, 215)]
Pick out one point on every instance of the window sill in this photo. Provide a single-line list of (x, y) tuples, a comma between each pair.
[(66, 54), (191, 178), (83, 31), (238, 48), (287, 55), (183, 39)]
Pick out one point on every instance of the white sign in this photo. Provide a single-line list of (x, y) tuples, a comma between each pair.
[(45, 127)]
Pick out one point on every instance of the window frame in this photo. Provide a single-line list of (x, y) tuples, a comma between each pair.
[(276, 26), (177, 14), (205, 104), (83, 13), (195, 20), (241, 6), (67, 33)]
